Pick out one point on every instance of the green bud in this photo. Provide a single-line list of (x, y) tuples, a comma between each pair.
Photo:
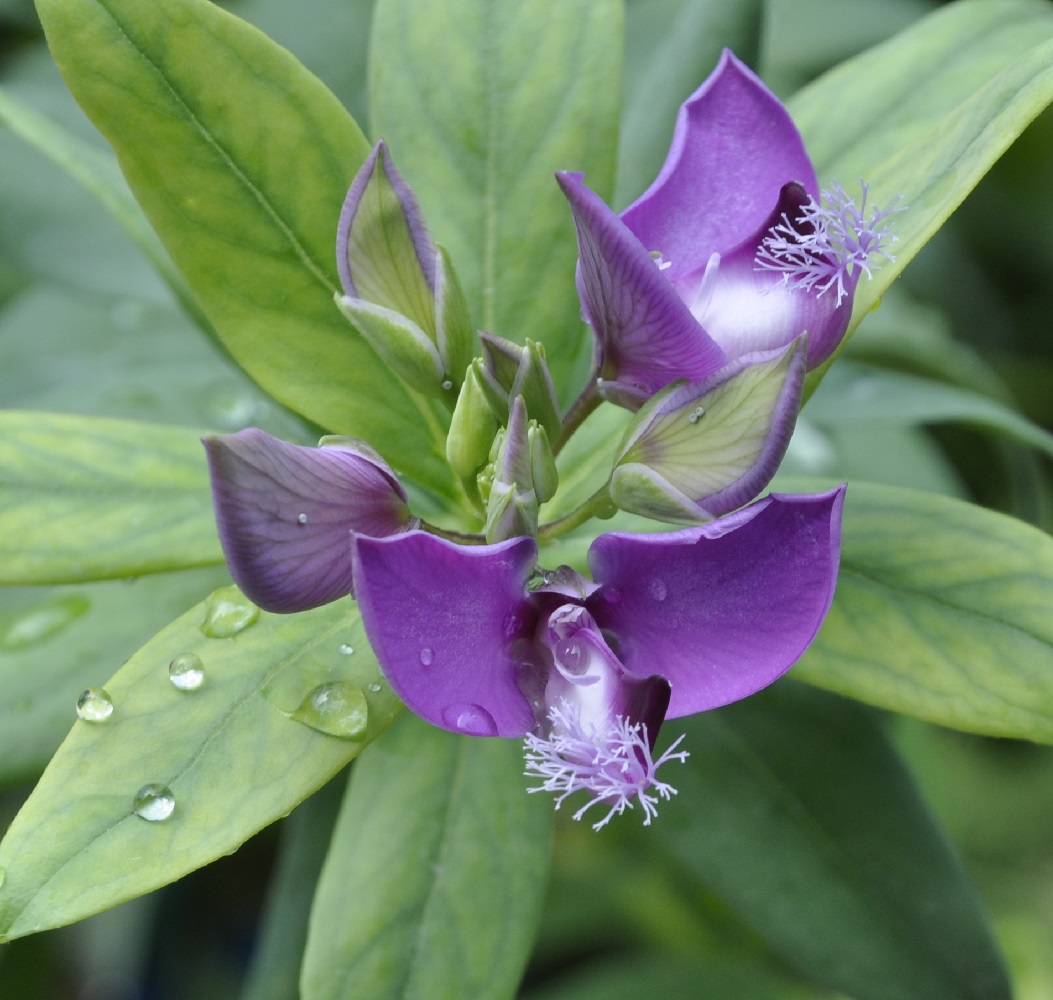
[(510, 513), (472, 426), (543, 474), (700, 450), (533, 382)]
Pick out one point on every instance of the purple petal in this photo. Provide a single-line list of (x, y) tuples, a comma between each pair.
[(284, 512), (647, 335), (442, 619), (749, 309), (733, 149), (722, 610)]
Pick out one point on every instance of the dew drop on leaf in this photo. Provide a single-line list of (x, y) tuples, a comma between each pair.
[(346, 648), (154, 802), (336, 708), (227, 612), (94, 705), (186, 671)]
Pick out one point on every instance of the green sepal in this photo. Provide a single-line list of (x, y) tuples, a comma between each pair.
[(406, 349), (454, 332), (712, 446), (510, 513)]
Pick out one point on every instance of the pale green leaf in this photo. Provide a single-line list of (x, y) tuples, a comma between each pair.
[(478, 123), (98, 173), (434, 882), (85, 498), (942, 612), (797, 811), (57, 641), (858, 394), (204, 113), (925, 115), (229, 751)]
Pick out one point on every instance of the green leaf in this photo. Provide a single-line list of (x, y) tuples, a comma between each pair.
[(797, 811), (925, 115), (671, 978), (203, 111), (229, 751), (98, 173), (859, 394), (481, 101), (88, 498), (671, 46), (942, 612), (275, 970), (434, 881), (57, 641)]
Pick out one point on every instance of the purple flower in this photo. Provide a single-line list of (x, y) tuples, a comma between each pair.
[(285, 513), (731, 250), (477, 640)]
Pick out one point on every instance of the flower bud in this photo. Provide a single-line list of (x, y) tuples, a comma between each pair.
[(472, 426), (401, 291)]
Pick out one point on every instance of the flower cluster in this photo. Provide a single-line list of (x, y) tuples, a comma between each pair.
[(709, 299)]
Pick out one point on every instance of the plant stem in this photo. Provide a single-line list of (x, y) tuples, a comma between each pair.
[(578, 413), (598, 505)]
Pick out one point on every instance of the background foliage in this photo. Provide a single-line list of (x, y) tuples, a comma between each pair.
[(933, 394)]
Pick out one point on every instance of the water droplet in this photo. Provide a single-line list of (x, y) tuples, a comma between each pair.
[(186, 671), (612, 595), (43, 620), (375, 687), (447, 384), (696, 414), (227, 612), (426, 656), (347, 649), (337, 709), (470, 719), (94, 705), (154, 802), (658, 589), (301, 518)]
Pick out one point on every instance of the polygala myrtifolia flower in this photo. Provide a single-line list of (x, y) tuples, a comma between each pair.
[(285, 513), (479, 641), (732, 250)]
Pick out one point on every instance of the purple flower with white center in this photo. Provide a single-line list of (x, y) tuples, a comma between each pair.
[(477, 640), (730, 251), (285, 513)]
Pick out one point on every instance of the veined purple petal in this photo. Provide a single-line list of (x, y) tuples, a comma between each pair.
[(721, 610), (746, 309), (285, 511), (733, 149), (443, 620), (646, 335)]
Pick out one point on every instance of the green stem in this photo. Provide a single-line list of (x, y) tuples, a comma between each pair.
[(578, 413), (598, 505), (452, 536)]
